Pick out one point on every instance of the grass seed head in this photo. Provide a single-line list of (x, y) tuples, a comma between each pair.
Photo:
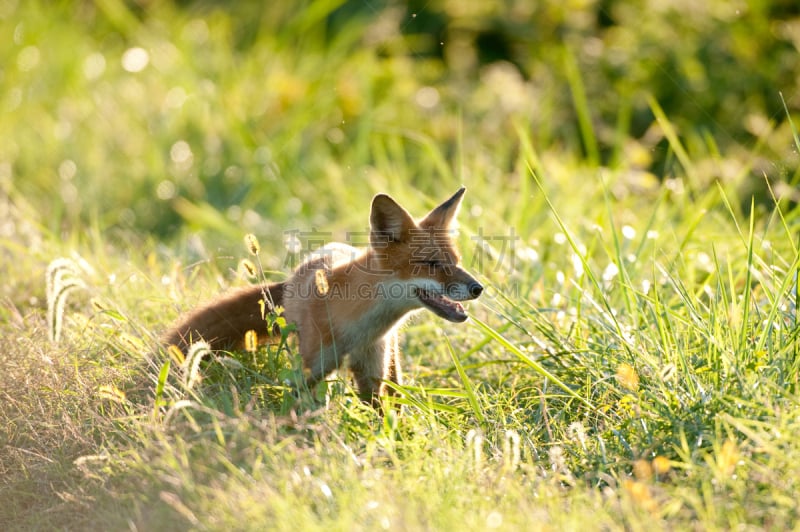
[(661, 465), (321, 282), (475, 440), (251, 341), (192, 363), (627, 377), (251, 242), (176, 354), (248, 267), (728, 457), (640, 494), (511, 449), (642, 470)]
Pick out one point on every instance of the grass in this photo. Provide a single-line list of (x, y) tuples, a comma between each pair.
[(633, 362)]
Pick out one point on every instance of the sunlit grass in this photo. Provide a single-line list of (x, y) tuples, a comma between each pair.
[(632, 363)]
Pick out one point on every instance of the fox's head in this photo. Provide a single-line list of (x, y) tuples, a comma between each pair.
[(420, 257)]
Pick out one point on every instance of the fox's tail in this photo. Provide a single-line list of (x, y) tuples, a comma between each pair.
[(223, 322)]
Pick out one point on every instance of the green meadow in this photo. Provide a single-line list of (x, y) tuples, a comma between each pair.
[(632, 176)]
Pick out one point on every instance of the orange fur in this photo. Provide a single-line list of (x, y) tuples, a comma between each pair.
[(364, 298), (224, 321)]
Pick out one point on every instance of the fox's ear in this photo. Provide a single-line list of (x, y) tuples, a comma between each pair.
[(443, 215), (388, 220)]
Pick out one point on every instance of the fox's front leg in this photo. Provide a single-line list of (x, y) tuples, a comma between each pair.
[(394, 372), (375, 364)]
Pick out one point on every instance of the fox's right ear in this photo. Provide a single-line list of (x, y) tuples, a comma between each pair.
[(388, 220), (443, 215)]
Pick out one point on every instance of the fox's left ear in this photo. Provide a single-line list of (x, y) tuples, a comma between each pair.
[(443, 215)]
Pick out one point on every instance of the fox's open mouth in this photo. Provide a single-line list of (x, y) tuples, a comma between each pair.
[(442, 306)]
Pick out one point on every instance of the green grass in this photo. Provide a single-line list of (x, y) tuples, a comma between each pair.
[(633, 362)]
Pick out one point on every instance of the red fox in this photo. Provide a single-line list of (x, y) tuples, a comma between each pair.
[(345, 301)]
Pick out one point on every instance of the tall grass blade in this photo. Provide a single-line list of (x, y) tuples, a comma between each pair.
[(538, 368), (748, 286), (160, 386), (471, 397), (795, 134), (582, 108), (672, 138)]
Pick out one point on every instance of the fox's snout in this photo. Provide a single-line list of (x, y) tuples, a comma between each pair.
[(463, 290)]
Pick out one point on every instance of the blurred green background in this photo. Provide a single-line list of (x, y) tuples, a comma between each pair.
[(162, 117)]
